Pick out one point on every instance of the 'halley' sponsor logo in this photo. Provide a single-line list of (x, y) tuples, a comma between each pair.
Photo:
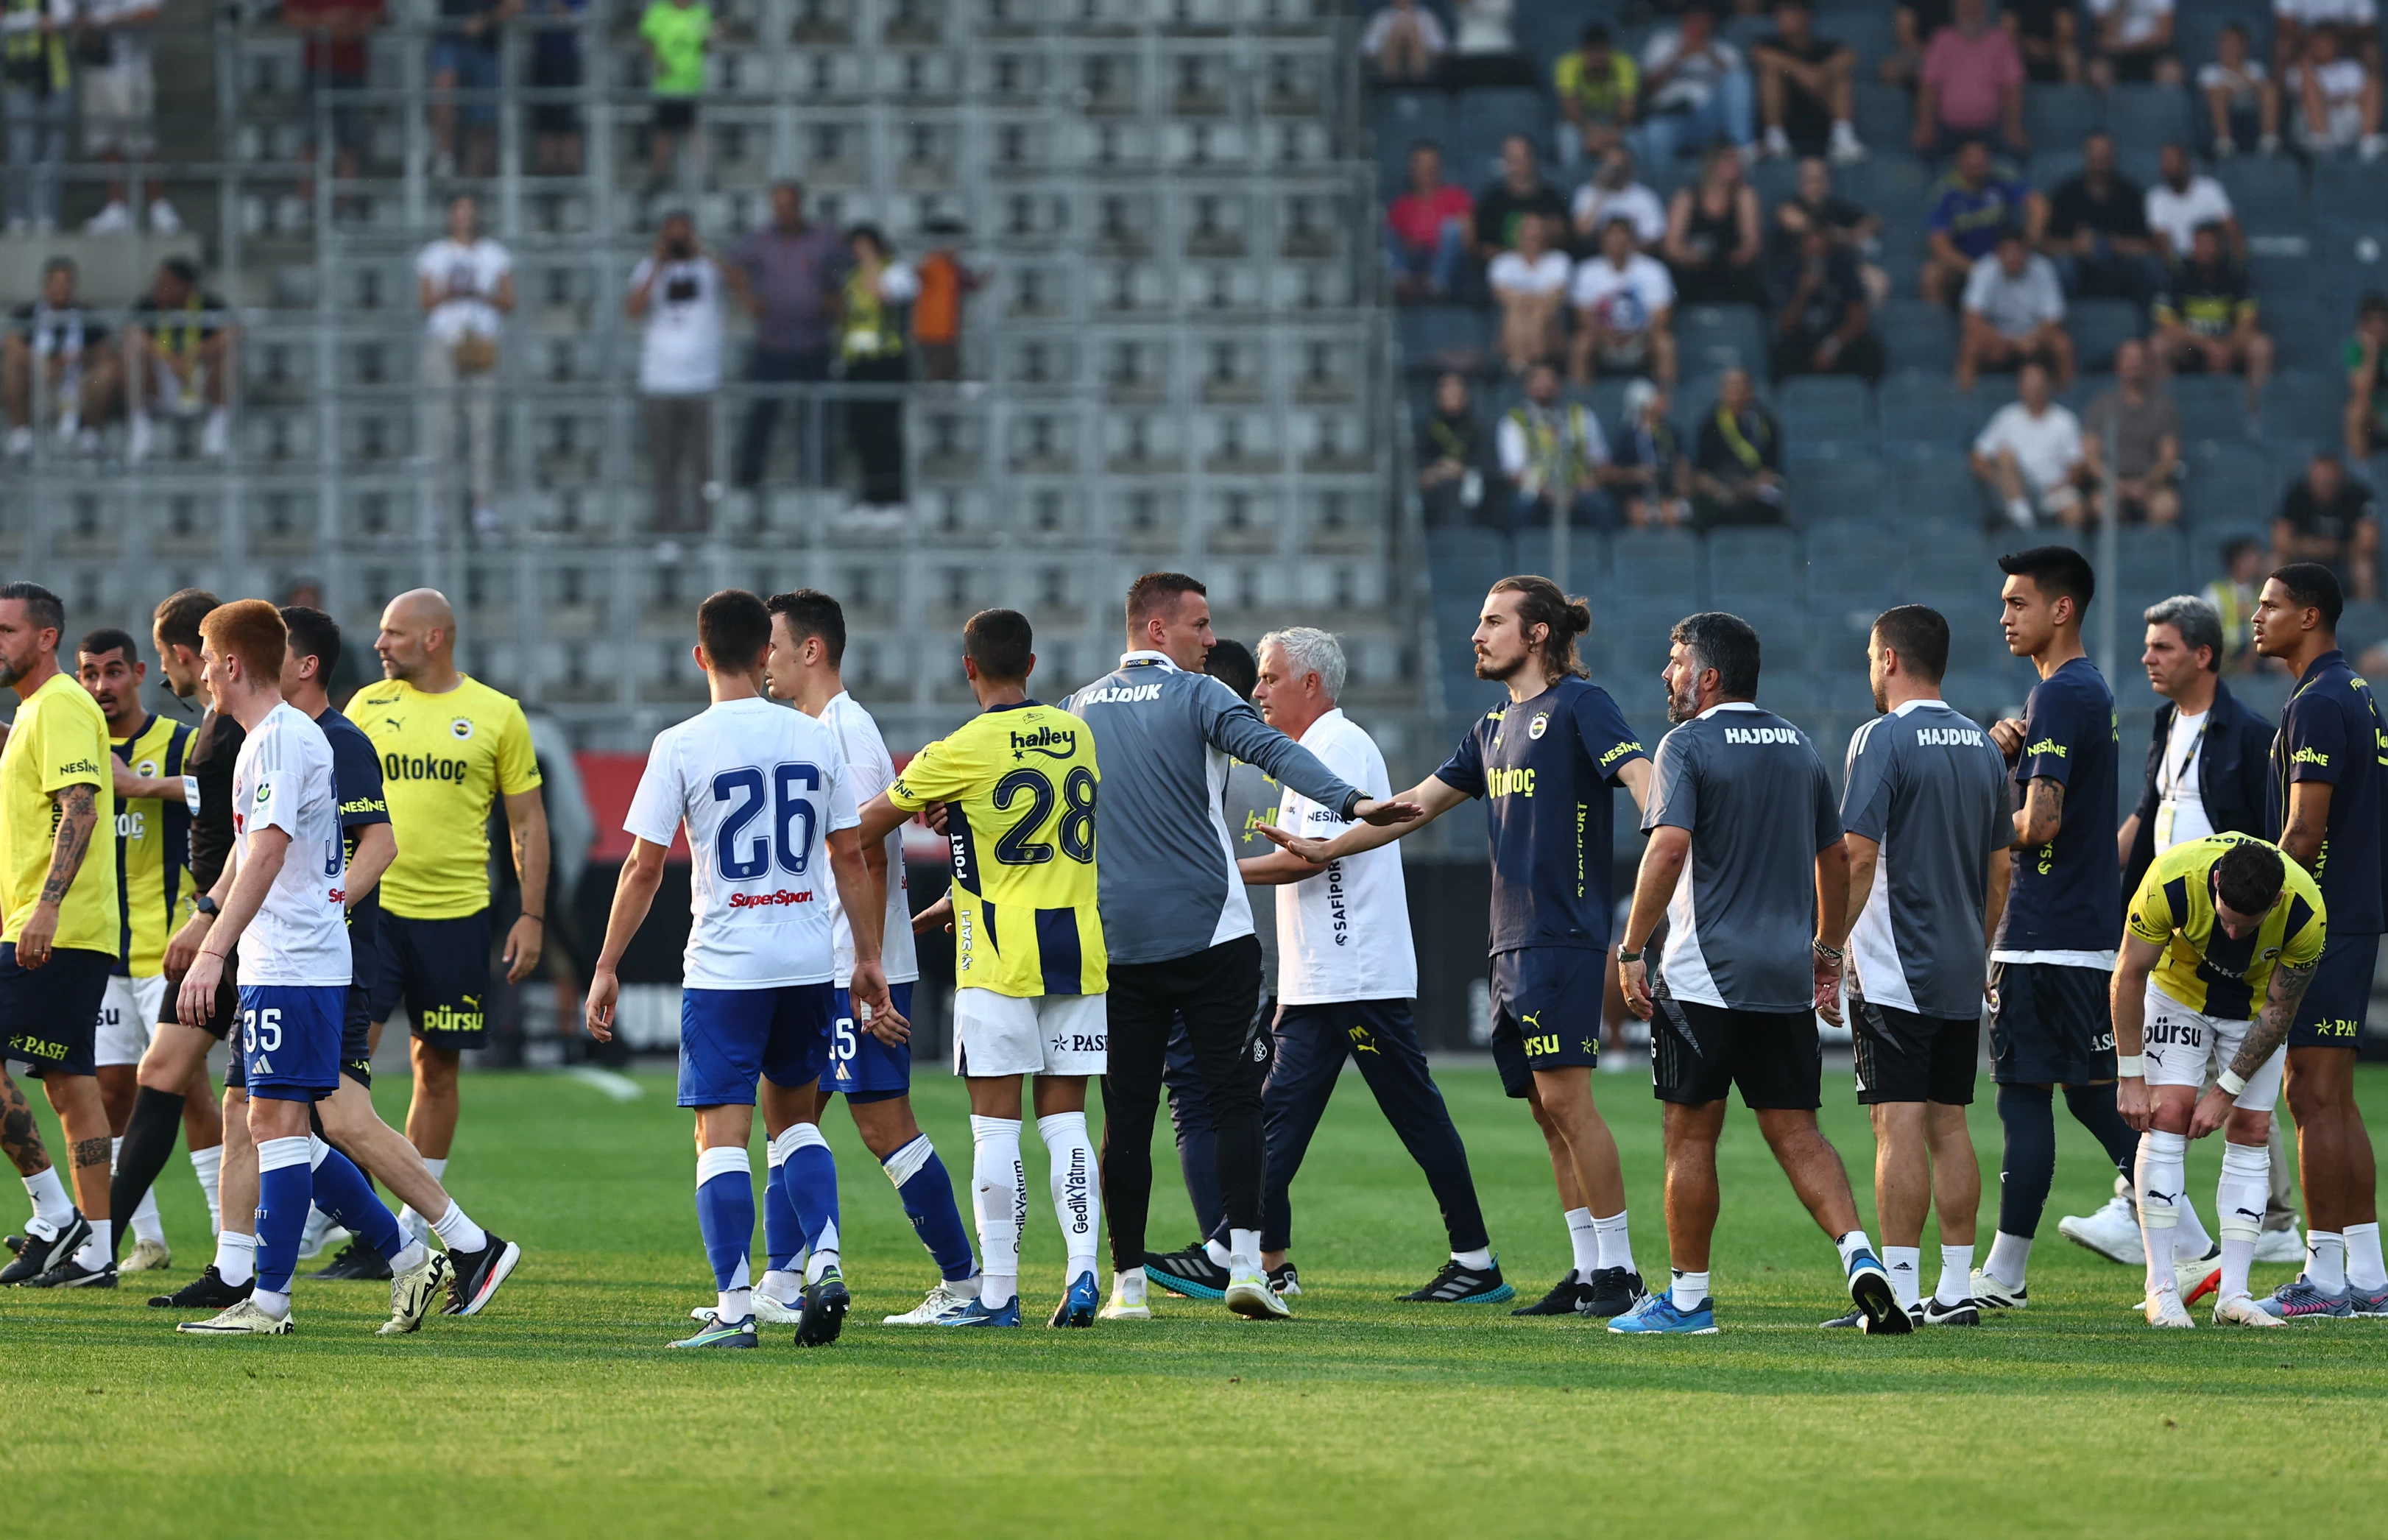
[(774, 899), (1054, 743)]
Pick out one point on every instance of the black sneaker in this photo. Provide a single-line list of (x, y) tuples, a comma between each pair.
[(1459, 1284), (1189, 1274), (478, 1274), (357, 1263), (207, 1292), (15, 1244), (1570, 1296), (1614, 1292), (1853, 1321), (71, 1273), (1931, 1312), (1283, 1281), (38, 1256), (824, 1310)]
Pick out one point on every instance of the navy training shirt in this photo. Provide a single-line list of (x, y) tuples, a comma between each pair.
[(2329, 731), (356, 780), (1547, 768), (2067, 895)]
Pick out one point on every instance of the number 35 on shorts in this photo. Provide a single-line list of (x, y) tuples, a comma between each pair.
[(260, 1029)]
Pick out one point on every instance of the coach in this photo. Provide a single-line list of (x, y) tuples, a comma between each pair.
[(1176, 922), (2206, 762)]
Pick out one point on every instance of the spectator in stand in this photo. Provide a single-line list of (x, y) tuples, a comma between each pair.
[(2366, 361), (1425, 229), (465, 285), (2143, 456), (1485, 52), (2095, 228), (2328, 518), (37, 98), (871, 348), (2242, 105), (676, 291), (1971, 86), (1820, 327), (1552, 451), (2047, 33), (1696, 89), (1814, 203), (1970, 208), (2207, 317), (464, 58), (1648, 477), (556, 129), (181, 357), (2233, 597), (1714, 235), (2181, 200), (1598, 86), (787, 274), (1912, 23), (1624, 311), (2133, 42), (1529, 285), (2295, 21), (1521, 191), (1737, 464), (2013, 315), (119, 106), (1613, 193), (2031, 454), (1404, 42), (2334, 97), (945, 286), (334, 65), (1806, 88), (68, 345), (677, 34), (1450, 454)]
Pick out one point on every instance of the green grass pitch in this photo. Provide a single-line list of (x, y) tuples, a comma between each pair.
[(561, 1412)]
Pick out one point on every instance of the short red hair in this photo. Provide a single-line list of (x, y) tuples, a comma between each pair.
[(251, 631)]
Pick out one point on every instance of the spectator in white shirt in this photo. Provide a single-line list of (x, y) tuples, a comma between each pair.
[(465, 285), (2031, 455), (2242, 105), (676, 291), (2293, 20), (1624, 311), (2180, 201), (1530, 285), (1613, 193), (1405, 42), (1696, 89), (2014, 314), (2336, 98), (2133, 41)]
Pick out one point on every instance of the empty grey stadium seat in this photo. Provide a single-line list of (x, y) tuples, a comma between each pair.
[(1710, 338), (1917, 333), (1851, 488), (2266, 194), (2144, 117), (1754, 567), (1819, 408), (1924, 407), (1656, 562), (2057, 117), (2099, 327)]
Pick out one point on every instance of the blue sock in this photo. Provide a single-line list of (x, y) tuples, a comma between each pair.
[(928, 1193), (725, 1213), (2029, 1169), (284, 1185), (811, 1174), (784, 1236), (342, 1191)]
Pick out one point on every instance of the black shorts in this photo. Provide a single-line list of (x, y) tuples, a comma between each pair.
[(1905, 1057), (675, 114), (1545, 1011), (220, 1023), (356, 1037), (49, 1015), (1699, 1052), (2332, 1013), (2049, 1025), (439, 970)]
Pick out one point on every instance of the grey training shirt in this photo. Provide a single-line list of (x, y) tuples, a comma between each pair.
[(1927, 784), (1755, 798)]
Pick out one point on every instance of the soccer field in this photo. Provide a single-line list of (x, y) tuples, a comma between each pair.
[(561, 1412)]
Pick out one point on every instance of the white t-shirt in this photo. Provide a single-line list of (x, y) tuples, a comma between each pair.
[(1511, 273), (2242, 82), (868, 769), (1595, 206), (760, 787), (468, 275), (1380, 26), (681, 353), (1344, 935), (2353, 13), (2178, 215), (2180, 803), (1623, 300), (1690, 86), (128, 47), (2045, 447), (282, 779), (2140, 17)]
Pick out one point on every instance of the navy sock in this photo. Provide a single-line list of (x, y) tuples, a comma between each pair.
[(2093, 1108), (810, 1173), (283, 1184), (725, 1213), (342, 1191), (928, 1192), (783, 1234), (2029, 1114)]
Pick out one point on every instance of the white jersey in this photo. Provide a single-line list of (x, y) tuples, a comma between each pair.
[(1344, 935), (870, 770), (282, 779), (760, 788)]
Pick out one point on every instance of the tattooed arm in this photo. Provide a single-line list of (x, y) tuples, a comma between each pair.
[(2042, 813), (78, 816), (2265, 1036)]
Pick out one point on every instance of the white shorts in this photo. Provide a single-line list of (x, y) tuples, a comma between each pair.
[(1043, 1035), (128, 1014), (118, 110), (2182, 1044)]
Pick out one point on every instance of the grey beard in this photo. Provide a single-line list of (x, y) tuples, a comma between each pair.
[(9, 673)]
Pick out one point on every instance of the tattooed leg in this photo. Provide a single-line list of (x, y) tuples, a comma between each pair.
[(75, 1098), (20, 1135)]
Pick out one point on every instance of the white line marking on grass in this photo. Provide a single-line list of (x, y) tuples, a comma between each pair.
[(621, 1088)]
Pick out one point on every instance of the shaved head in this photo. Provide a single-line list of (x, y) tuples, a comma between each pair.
[(417, 641)]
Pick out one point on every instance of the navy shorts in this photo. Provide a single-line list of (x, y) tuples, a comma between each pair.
[(290, 1039), (860, 1064), (439, 970), (49, 1015), (2049, 1025), (1699, 1052), (1545, 1011), (1903, 1056), (2332, 1013), (730, 1037)]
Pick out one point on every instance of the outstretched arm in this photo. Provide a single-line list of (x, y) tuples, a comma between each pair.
[(1432, 797)]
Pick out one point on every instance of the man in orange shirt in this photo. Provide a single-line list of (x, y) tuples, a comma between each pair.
[(937, 313)]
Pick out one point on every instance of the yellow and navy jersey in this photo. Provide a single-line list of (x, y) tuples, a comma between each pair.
[(1019, 786), (59, 739), (153, 849), (445, 761), (2204, 968)]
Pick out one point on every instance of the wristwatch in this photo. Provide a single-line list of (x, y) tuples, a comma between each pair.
[(206, 904)]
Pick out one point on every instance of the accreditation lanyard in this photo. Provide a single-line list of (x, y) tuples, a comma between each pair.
[(2168, 785)]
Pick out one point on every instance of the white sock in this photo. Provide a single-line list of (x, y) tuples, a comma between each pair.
[(781, 1285), (1129, 1286), (1479, 1259), (1077, 1189), (207, 1164), (457, 1232), (276, 1305), (235, 1257), (1217, 1251), (2325, 1260), (1905, 1266), (1956, 1275), (2364, 1271), (96, 1252), (2019, 511), (1000, 1204), (2190, 1239), (1584, 1238), (1614, 1241), (51, 1204), (2160, 1179), (2238, 1200), (1849, 1245), (409, 1256), (2010, 1254), (733, 1305), (415, 1224), (1243, 1251), (823, 1257), (1690, 1289)]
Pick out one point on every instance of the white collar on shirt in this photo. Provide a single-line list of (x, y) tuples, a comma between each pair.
[(1332, 714), (1728, 705), (1147, 656), (1903, 707)]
